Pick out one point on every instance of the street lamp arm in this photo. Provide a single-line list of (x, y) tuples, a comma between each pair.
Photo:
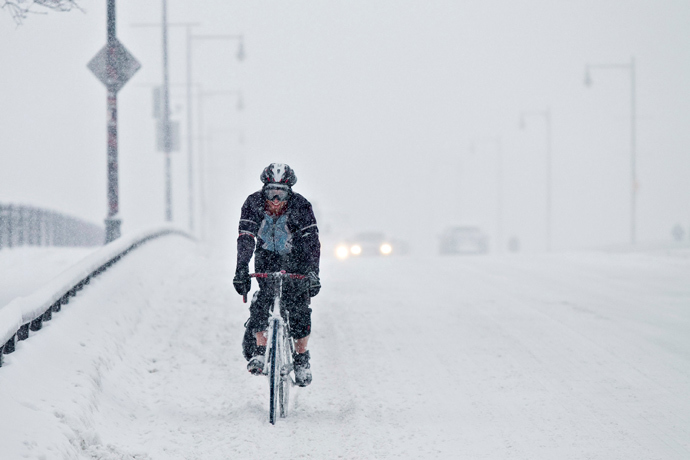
[(218, 37), (170, 24)]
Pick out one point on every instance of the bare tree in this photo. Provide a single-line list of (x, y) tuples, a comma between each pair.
[(20, 9)]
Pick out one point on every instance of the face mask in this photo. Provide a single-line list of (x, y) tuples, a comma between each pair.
[(275, 207)]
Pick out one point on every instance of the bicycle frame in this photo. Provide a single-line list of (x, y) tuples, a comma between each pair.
[(279, 348)]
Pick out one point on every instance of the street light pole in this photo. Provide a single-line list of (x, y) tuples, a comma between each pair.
[(546, 114), (633, 141)]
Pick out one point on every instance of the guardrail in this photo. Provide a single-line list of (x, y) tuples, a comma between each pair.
[(26, 314), (29, 226)]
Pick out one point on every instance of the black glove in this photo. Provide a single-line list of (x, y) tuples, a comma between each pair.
[(314, 283), (242, 280)]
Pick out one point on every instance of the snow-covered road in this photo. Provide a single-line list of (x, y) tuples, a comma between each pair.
[(567, 356)]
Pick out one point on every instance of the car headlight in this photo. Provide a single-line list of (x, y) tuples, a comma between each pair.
[(386, 249), (356, 249), (341, 252)]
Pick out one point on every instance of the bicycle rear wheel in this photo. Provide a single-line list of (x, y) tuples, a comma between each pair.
[(274, 375)]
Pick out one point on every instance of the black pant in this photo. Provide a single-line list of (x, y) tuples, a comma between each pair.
[(296, 301)]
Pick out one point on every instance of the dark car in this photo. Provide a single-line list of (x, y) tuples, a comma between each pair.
[(464, 240)]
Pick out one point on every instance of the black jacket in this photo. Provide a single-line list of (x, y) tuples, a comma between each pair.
[(289, 242)]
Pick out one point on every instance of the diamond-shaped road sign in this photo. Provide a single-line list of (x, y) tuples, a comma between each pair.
[(123, 68)]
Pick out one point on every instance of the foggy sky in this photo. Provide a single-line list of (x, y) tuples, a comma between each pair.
[(375, 104)]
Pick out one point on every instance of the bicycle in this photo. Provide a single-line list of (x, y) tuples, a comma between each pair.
[(279, 349)]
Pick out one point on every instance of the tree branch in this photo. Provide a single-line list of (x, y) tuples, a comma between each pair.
[(20, 9)]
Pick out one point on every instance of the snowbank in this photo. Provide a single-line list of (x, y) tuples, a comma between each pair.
[(32, 307)]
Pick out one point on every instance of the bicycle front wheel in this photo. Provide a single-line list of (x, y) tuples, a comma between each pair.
[(285, 368), (274, 375)]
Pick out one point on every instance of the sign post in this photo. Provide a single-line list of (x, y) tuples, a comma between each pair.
[(113, 66)]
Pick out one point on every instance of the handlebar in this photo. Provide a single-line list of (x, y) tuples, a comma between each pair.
[(280, 274)]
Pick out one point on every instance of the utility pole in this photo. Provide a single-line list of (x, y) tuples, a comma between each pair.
[(112, 222)]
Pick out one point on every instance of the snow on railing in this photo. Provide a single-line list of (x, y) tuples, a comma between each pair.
[(25, 314), (29, 226)]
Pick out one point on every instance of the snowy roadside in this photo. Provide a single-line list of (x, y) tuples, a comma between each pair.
[(52, 383)]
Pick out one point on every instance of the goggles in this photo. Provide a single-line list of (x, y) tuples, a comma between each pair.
[(276, 193)]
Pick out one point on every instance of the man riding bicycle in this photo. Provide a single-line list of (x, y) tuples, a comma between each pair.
[(281, 226)]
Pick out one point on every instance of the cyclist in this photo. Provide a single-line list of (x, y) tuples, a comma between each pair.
[(281, 226)]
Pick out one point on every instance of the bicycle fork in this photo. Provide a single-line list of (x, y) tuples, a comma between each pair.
[(276, 331)]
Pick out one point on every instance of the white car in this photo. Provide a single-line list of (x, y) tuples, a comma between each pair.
[(366, 244), (464, 240)]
